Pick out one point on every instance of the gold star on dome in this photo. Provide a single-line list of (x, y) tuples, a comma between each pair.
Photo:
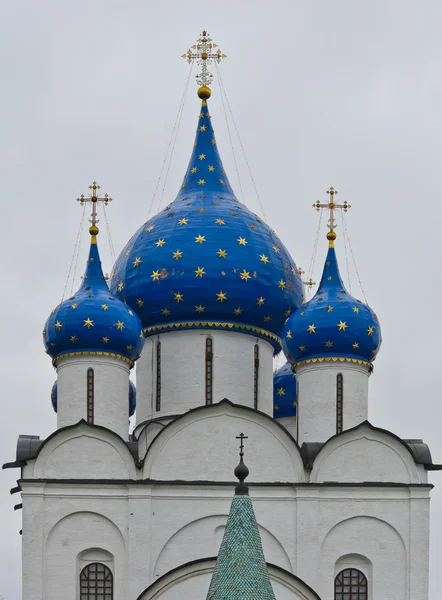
[(211, 168), (105, 340), (200, 308), (203, 128), (201, 115), (287, 313), (74, 339), (232, 212), (221, 297), (74, 306), (128, 252), (140, 302), (183, 222), (222, 182), (200, 272), (329, 278), (137, 261), (289, 335), (355, 309), (178, 297), (222, 253), (267, 319), (131, 313), (254, 227), (328, 344), (149, 229), (342, 326), (88, 323), (58, 325), (165, 311), (220, 222), (200, 239), (104, 306), (237, 311), (160, 243), (302, 313), (201, 182), (52, 311), (370, 330), (263, 258), (276, 407), (129, 347), (120, 286), (155, 275), (302, 348), (201, 210), (120, 325), (242, 241), (245, 275), (202, 156), (329, 308), (281, 284), (276, 249), (141, 334), (260, 301), (355, 346), (212, 141), (281, 391), (177, 254), (311, 329)]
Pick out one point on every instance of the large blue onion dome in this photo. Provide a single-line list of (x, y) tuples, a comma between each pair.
[(206, 260), (132, 397), (93, 321), (284, 392), (332, 325)]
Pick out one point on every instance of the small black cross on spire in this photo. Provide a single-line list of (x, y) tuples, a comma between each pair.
[(241, 437), (241, 471)]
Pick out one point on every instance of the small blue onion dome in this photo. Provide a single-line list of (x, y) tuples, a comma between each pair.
[(93, 321), (284, 392), (132, 398), (332, 324), (206, 260)]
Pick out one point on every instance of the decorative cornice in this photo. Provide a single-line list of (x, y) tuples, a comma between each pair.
[(93, 353), (334, 359)]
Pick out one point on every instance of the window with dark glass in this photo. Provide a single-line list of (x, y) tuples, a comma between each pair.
[(351, 584), (96, 582), (158, 394), (90, 396), (256, 376), (209, 370), (339, 402)]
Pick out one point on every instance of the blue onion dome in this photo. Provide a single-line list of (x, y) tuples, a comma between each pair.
[(93, 321), (284, 392), (132, 398), (332, 325), (206, 260)]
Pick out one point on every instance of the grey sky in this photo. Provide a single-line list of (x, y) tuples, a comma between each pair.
[(336, 93)]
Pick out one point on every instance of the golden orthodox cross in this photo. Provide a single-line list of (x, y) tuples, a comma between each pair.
[(331, 206), (94, 198), (204, 53), (310, 283)]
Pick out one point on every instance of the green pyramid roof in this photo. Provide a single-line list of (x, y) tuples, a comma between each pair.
[(241, 570)]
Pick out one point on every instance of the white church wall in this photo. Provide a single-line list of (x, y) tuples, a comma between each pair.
[(317, 398), (365, 454), (111, 390), (183, 372), (209, 454)]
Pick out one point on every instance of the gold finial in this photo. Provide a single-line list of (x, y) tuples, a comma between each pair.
[(331, 206), (204, 53), (93, 198)]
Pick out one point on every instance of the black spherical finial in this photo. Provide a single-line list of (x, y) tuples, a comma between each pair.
[(241, 471)]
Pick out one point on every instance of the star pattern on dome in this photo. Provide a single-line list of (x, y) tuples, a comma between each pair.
[(221, 296), (199, 272), (177, 254), (178, 297), (222, 253), (200, 239), (200, 308), (88, 323), (137, 261), (342, 326)]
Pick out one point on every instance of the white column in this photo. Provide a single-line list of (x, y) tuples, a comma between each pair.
[(183, 372), (317, 398), (110, 394)]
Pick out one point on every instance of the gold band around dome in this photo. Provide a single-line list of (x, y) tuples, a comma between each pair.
[(93, 353), (216, 325), (321, 359)]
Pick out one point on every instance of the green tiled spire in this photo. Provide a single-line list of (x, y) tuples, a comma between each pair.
[(241, 570)]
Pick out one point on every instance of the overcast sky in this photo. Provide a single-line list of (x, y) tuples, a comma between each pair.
[(345, 94)]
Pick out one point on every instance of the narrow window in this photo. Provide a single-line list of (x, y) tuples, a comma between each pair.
[(351, 584), (90, 395), (209, 370), (339, 402), (158, 398), (96, 582), (256, 376)]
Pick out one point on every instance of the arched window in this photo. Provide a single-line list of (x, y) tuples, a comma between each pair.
[(256, 376), (90, 396), (158, 395), (339, 402), (209, 370), (96, 582), (351, 584)]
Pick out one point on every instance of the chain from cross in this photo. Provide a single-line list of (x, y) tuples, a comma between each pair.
[(332, 206), (94, 198), (203, 52), (241, 437)]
